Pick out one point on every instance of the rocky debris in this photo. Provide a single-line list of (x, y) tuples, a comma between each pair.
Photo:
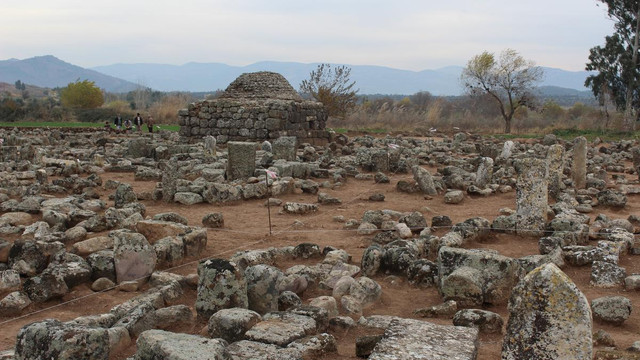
[(607, 275), (446, 309), (548, 315), (611, 309), (281, 328)]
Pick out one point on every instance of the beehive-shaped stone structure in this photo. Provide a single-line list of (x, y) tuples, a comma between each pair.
[(256, 106)]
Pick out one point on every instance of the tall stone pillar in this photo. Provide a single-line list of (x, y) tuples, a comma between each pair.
[(285, 147), (484, 175), (531, 196), (242, 160), (555, 161), (579, 168), (221, 285)]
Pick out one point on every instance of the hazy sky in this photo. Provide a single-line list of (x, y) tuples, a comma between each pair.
[(405, 34)]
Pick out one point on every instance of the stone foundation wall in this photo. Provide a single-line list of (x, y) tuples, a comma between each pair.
[(252, 120)]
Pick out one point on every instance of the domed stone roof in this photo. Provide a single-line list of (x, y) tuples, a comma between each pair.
[(261, 85)]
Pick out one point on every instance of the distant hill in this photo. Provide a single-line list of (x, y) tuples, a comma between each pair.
[(50, 72), (200, 77)]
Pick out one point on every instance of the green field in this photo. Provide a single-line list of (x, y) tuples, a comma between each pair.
[(71, 125)]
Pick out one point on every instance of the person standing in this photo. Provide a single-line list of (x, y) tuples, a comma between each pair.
[(137, 121), (150, 124), (118, 122)]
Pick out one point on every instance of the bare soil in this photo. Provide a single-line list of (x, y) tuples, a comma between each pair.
[(246, 227)]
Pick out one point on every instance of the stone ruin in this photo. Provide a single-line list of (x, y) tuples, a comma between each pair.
[(256, 106), (66, 223)]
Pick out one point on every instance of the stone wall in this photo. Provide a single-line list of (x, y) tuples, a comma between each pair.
[(256, 106), (242, 120)]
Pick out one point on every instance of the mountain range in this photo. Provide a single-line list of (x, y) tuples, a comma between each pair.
[(49, 71)]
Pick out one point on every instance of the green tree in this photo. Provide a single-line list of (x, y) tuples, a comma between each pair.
[(332, 87), (81, 95), (20, 85), (617, 61), (509, 80)]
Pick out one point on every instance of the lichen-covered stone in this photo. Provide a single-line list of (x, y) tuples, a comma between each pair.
[(51, 339), (611, 309), (232, 324), (485, 321), (407, 339), (549, 318), (221, 285), (159, 344), (262, 287), (531, 196)]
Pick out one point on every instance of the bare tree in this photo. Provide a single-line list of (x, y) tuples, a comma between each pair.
[(509, 80), (331, 86)]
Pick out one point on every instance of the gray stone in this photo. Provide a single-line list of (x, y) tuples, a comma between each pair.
[(607, 275), (241, 163), (124, 195), (232, 324), (169, 180), (406, 339), (9, 281), (285, 148), (246, 349), (496, 274), (134, 257), (51, 339), (425, 180), (187, 198), (221, 285), (453, 197), (45, 287), (262, 289), (485, 321), (555, 163), (447, 309), (213, 220), (579, 165), (299, 208), (281, 328), (102, 265), (611, 309), (159, 344), (484, 174), (531, 197), (14, 303), (549, 318), (371, 260), (612, 198)]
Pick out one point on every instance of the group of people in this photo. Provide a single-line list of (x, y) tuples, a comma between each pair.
[(128, 124)]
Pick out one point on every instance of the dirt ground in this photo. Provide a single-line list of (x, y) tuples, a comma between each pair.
[(246, 227)]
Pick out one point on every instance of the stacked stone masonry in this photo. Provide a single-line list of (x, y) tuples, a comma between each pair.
[(256, 106)]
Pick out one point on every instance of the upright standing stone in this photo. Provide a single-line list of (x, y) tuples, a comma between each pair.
[(133, 256), (380, 160), (424, 179), (636, 160), (124, 195), (242, 160), (285, 148), (579, 168), (549, 318), (531, 196), (507, 148), (555, 162), (262, 288), (169, 179), (221, 285), (209, 145), (484, 174)]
